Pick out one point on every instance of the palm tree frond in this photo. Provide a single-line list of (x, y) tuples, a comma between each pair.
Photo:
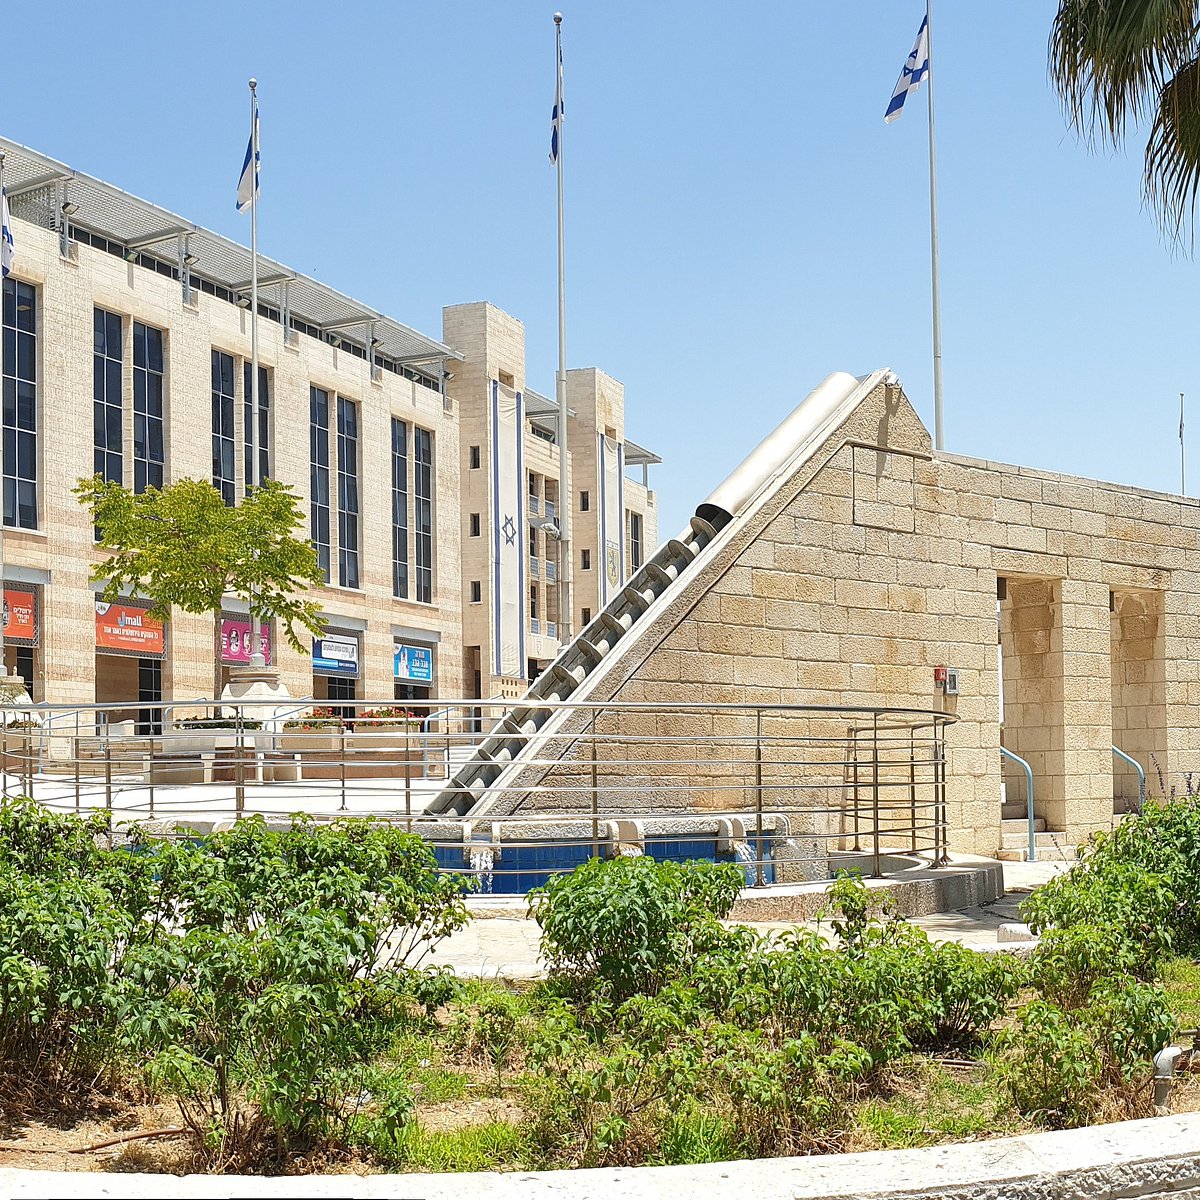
[(1172, 167), (1109, 59)]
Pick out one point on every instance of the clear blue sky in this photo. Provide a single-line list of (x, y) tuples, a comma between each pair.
[(740, 220)]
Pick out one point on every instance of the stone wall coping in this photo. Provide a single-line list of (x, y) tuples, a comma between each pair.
[(1158, 1157)]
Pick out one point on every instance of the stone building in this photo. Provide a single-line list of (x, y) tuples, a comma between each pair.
[(862, 566), (126, 351)]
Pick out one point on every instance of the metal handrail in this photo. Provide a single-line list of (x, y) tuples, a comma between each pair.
[(777, 773), (1137, 766), (1028, 799)]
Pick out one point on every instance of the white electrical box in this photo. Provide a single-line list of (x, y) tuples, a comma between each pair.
[(951, 684)]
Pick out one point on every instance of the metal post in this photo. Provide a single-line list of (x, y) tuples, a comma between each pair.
[(912, 787), (595, 795), (7, 764), (108, 776), (257, 658), (939, 432), (408, 778), (758, 800), (75, 756), (943, 857), (342, 757), (875, 871), (150, 774), (239, 765), (854, 777), (565, 616)]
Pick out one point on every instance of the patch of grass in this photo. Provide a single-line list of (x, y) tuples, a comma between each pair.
[(1181, 982), (697, 1135), (928, 1103), (496, 1145)]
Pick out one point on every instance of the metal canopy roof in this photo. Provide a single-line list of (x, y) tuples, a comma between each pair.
[(639, 456), (36, 182)]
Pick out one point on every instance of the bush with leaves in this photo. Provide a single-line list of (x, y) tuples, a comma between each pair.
[(628, 924)]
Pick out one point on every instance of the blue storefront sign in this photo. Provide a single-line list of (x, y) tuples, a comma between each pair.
[(335, 655), (413, 664)]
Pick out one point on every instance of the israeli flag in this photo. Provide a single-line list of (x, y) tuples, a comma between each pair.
[(6, 240), (556, 114), (915, 70), (248, 184)]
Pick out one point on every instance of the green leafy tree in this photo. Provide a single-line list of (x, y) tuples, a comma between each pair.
[(183, 546), (1118, 63)]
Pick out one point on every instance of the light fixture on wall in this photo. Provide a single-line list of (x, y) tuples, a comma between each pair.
[(131, 256), (190, 260), (334, 340), (243, 302), (447, 375), (70, 208)]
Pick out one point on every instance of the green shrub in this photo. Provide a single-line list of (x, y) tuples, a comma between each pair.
[(628, 924)]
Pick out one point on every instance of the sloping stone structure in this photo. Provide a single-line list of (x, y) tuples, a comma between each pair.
[(1067, 606)]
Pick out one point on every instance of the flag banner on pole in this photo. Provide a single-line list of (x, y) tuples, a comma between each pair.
[(6, 238), (508, 533), (556, 114), (248, 183), (914, 72), (612, 517)]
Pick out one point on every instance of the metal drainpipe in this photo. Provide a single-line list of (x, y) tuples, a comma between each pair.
[(1028, 799), (1164, 1073)]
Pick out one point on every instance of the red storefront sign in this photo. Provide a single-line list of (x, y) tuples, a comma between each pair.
[(20, 615), (237, 640), (129, 629)]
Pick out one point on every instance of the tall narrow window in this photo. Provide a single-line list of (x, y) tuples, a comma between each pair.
[(149, 443), (107, 396), (399, 508), (20, 405), (347, 449), (318, 474), (264, 424), (635, 541), (423, 512), (222, 427)]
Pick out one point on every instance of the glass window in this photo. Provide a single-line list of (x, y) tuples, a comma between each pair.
[(318, 474), (635, 541), (585, 560), (474, 524), (347, 450), (149, 443), (423, 512), (20, 405), (399, 508), (585, 502), (476, 592), (264, 424), (108, 355), (474, 458), (223, 435)]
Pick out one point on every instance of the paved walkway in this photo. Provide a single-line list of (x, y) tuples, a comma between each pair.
[(502, 944)]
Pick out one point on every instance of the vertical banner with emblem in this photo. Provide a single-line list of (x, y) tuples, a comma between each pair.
[(508, 532), (612, 517)]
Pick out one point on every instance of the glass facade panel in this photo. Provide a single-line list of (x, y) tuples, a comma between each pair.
[(264, 423), (399, 508), (20, 405), (348, 511), (318, 474), (223, 436), (149, 442), (108, 353), (423, 512)]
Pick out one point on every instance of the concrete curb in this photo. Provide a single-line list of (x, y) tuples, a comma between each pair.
[(1131, 1159)]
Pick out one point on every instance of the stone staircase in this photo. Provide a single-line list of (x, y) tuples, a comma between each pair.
[(1050, 845)]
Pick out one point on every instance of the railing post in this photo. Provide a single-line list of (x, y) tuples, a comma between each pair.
[(912, 786), (758, 800), (4, 718), (239, 765), (150, 774), (875, 860), (75, 756), (408, 767), (108, 797), (853, 744), (595, 795), (342, 757)]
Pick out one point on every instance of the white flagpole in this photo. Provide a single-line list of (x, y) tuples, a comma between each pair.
[(3, 606), (257, 658), (564, 462), (939, 440), (1182, 472)]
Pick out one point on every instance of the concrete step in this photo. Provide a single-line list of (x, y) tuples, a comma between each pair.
[(1021, 825), (1012, 839), (1047, 854)]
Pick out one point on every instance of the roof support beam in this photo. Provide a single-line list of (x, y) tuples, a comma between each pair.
[(264, 281), (35, 184), (350, 322), (163, 235)]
